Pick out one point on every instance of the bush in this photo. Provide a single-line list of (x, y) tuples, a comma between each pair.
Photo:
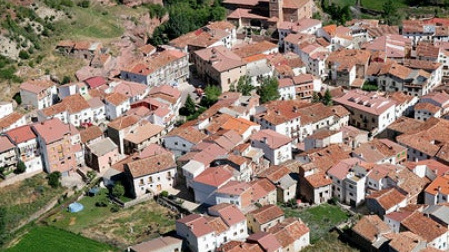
[(118, 190), (54, 179), (84, 4), (66, 79), (21, 168), (164, 194), (115, 208), (24, 55), (102, 202)]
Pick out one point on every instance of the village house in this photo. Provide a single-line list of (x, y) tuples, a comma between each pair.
[(79, 49), (163, 67), (27, 147), (438, 191), (6, 109), (368, 233), (381, 151), (120, 127), (264, 192), (369, 111), (315, 188), (59, 145), (348, 68), (219, 33), (207, 184), (116, 104), (102, 154), (353, 137), (323, 138), (168, 95), (297, 119), (152, 174), (235, 192), (429, 140), (305, 85), (134, 91), (286, 186), (219, 65), (8, 154), (204, 233), (264, 218), (181, 140), (72, 88), (39, 93), (305, 26), (12, 121), (72, 109), (385, 201), (292, 233), (98, 110), (141, 136), (277, 148)]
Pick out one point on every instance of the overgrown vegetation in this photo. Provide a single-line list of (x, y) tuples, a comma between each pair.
[(244, 86), (268, 90), (185, 16)]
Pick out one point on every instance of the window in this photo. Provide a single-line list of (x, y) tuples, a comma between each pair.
[(150, 179)]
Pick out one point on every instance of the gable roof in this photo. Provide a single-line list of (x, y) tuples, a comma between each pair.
[(271, 138), (151, 165), (370, 227), (267, 213), (214, 176)]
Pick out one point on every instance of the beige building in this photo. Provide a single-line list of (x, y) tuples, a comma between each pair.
[(219, 65)]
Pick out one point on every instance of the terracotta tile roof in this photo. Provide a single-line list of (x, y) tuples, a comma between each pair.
[(221, 58), (428, 138), (129, 89), (214, 176), (234, 188), (266, 214), (394, 46), (318, 180), (10, 119), (96, 81), (198, 224), (437, 167), (237, 246), (427, 107), (387, 198), (423, 226), (116, 99), (222, 25), (439, 185), (156, 61), (346, 59), (404, 241), (229, 213), (72, 104), (166, 92), (441, 98), (21, 134), (36, 86), (370, 227), (369, 102), (289, 231), (398, 216), (275, 173), (267, 241), (5, 144), (144, 132), (251, 49), (53, 130), (271, 138), (152, 150), (240, 125), (261, 188), (405, 125), (291, 4), (202, 38), (217, 224), (379, 149), (90, 133), (324, 158), (147, 49), (124, 122), (151, 165), (382, 30), (188, 133), (243, 13), (341, 169)]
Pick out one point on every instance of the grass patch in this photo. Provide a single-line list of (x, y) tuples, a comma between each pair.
[(343, 3), (127, 226), (377, 5), (320, 219), (49, 239), (25, 198)]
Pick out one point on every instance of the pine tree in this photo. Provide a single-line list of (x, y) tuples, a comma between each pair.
[(327, 99)]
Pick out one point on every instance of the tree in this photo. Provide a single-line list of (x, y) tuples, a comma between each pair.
[(211, 94), (315, 97), (327, 99), (189, 107), (21, 168), (268, 90), (118, 190), (390, 12), (244, 85), (66, 79), (91, 175), (24, 54), (54, 179)]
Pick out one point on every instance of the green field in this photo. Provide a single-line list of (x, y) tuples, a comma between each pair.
[(320, 219), (51, 239), (23, 199), (127, 226)]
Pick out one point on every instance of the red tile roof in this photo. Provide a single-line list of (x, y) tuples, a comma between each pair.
[(266, 214), (53, 130), (214, 176), (5, 144), (21, 134), (96, 81), (271, 138)]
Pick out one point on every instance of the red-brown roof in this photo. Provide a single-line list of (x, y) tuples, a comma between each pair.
[(21, 134), (214, 176)]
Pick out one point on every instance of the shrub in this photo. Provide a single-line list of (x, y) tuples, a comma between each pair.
[(84, 4), (115, 208), (164, 194), (24, 55), (54, 179)]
